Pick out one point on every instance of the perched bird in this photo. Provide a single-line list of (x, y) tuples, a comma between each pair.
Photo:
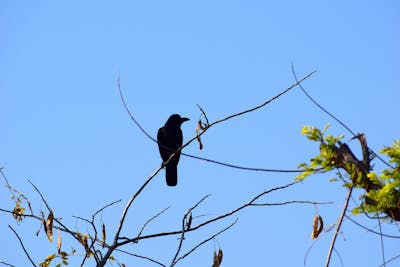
[(169, 138)]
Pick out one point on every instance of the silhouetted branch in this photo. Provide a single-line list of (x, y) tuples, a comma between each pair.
[(106, 206), (370, 230), (217, 122), (389, 260), (382, 245), (186, 224), (63, 227), (115, 243), (291, 202), (23, 247), (6, 264), (151, 219), (140, 256), (177, 232), (338, 225), (333, 116), (204, 114), (205, 241)]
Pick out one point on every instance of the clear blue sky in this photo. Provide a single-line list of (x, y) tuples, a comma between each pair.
[(63, 125)]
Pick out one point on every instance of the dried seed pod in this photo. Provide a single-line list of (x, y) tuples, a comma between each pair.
[(318, 226), (49, 226)]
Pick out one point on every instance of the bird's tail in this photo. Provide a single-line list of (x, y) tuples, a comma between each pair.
[(171, 175)]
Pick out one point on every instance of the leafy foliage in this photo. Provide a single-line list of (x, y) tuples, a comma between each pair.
[(382, 191), (325, 160), (62, 256)]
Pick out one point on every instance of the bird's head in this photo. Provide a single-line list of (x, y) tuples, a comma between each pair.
[(175, 120)]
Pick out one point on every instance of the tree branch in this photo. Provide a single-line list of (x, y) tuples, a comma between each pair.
[(121, 223), (214, 123), (205, 241), (151, 219), (186, 223), (136, 239), (333, 116), (339, 223), (23, 247), (140, 256)]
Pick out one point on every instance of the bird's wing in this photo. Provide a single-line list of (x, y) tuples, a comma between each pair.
[(162, 139)]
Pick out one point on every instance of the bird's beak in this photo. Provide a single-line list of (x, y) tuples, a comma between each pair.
[(185, 119)]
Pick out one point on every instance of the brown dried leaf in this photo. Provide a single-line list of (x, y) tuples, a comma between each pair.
[(59, 241), (49, 226), (318, 226), (83, 239), (217, 258), (18, 212)]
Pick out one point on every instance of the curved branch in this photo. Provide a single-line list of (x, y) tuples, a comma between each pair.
[(205, 241), (250, 203), (121, 223), (370, 230), (23, 247), (217, 122), (333, 116)]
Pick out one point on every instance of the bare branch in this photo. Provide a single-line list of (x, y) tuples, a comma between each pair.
[(338, 225), (214, 123), (63, 227), (177, 232), (204, 114), (333, 116), (7, 264), (205, 241), (382, 245), (291, 202), (151, 219), (23, 247), (7, 183), (140, 256), (186, 226), (370, 230), (389, 260), (106, 206), (121, 223)]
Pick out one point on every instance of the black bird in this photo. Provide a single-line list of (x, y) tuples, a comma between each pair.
[(169, 138)]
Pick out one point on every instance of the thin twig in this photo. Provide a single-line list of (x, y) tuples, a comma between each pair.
[(151, 219), (177, 232), (216, 122), (121, 223), (370, 230), (181, 239), (106, 206), (340, 257), (185, 227), (389, 260), (7, 183), (382, 245), (205, 241), (64, 228), (333, 116), (7, 264), (291, 202), (338, 225), (204, 114), (140, 256), (22, 245)]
